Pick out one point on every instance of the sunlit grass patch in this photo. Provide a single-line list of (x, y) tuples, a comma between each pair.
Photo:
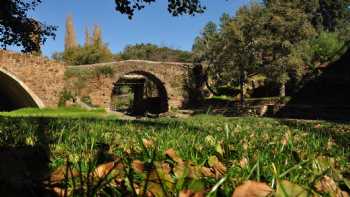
[(56, 112), (230, 150)]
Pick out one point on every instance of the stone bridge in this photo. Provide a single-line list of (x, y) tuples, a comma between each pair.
[(34, 81)]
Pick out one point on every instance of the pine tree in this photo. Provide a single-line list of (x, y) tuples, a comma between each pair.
[(70, 41)]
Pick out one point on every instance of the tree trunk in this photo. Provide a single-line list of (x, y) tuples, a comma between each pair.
[(241, 85), (282, 89)]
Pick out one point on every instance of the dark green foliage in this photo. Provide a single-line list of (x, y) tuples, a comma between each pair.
[(81, 55), (65, 96), (284, 40), (326, 46), (329, 15), (155, 53), (16, 28), (104, 71), (87, 100), (175, 7)]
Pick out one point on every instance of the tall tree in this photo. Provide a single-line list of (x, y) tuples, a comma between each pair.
[(97, 36), (240, 37), (328, 15), (70, 41), (87, 37), (285, 26), (16, 28), (230, 50)]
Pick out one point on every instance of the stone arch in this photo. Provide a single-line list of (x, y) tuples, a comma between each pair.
[(14, 94), (163, 101)]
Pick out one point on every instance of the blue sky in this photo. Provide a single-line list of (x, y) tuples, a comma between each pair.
[(152, 25)]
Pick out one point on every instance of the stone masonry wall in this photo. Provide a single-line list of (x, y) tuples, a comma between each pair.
[(99, 87), (48, 79), (44, 77)]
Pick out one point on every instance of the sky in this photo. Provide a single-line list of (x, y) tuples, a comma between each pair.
[(151, 25)]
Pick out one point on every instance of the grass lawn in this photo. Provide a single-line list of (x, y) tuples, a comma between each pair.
[(55, 112), (214, 154)]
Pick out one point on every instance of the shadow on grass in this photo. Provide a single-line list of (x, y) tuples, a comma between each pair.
[(25, 148), (324, 98), (340, 133), (24, 157)]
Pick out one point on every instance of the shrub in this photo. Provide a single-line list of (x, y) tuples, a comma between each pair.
[(65, 96), (326, 46), (104, 71)]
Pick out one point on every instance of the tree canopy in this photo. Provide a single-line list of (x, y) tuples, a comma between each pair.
[(175, 7), (154, 53), (279, 39), (93, 51), (16, 28)]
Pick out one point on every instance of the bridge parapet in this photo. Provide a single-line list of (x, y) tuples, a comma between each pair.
[(43, 77)]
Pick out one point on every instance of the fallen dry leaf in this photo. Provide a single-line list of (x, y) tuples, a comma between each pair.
[(173, 155), (104, 169), (326, 184), (344, 194), (189, 193), (138, 166), (166, 168), (252, 189), (286, 188), (217, 165), (243, 162), (207, 172), (245, 146), (60, 174), (148, 143), (60, 192)]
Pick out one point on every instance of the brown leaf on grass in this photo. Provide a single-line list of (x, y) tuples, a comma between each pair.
[(138, 166), (328, 185), (344, 194), (166, 168), (60, 174), (187, 169), (155, 189), (189, 193), (60, 192), (252, 189), (207, 172), (148, 143), (104, 169), (214, 162), (286, 188), (180, 170), (173, 155), (243, 162), (245, 146), (286, 138)]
